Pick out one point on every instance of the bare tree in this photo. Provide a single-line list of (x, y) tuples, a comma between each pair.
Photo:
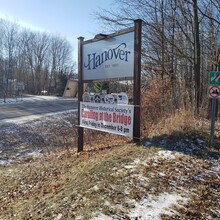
[(40, 45), (9, 39), (34, 58), (60, 56), (174, 34), (1, 59)]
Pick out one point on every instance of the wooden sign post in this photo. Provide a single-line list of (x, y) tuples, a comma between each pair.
[(137, 79), (80, 92)]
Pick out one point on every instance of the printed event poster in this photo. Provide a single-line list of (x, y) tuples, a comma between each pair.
[(111, 118)]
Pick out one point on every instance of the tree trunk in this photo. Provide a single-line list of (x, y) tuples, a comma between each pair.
[(196, 57)]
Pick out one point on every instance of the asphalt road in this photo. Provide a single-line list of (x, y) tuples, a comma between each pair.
[(8, 111)]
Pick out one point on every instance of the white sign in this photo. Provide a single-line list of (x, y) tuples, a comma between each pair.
[(109, 99), (86, 97), (109, 58), (214, 92), (117, 119), (122, 98)]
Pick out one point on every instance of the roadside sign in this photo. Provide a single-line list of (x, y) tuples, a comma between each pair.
[(102, 59), (214, 78), (214, 92)]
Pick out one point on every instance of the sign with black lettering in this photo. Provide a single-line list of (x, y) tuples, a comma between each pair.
[(110, 58)]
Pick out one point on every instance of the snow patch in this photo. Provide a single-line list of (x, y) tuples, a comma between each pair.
[(129, 167), (216, 167), (4, 162), (94, 188), (102, 217), (137, 161), (25, 119), (28, 153), (59, 216), (29, 99), (166, 154), (152, 208)]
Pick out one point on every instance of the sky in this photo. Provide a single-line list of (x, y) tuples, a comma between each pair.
[(68, 18)]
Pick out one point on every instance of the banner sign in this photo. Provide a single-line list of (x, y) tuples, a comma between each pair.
[(109, 58), (117, 119)]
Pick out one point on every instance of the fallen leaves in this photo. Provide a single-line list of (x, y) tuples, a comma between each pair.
[(110, 178)]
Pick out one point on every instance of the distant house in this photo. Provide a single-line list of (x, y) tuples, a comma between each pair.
[(71, 88)]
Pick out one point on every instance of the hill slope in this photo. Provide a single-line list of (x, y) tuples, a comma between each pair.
[(168, 179)]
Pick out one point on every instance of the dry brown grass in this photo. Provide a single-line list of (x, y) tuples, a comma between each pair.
[(180, 121), (70, 185), (106, 181)]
